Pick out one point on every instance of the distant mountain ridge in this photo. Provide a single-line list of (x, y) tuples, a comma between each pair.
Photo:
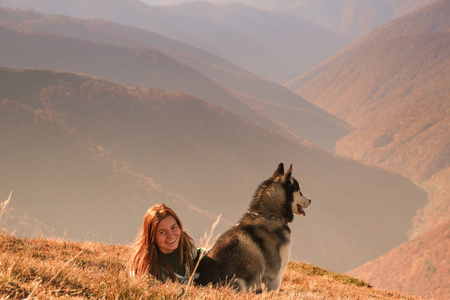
[(159, 61), (350, 18), (253, 49)]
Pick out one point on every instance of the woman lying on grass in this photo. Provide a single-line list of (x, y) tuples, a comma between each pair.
[(162, 248)]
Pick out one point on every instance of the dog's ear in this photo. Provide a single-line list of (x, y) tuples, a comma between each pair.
[(287, 177), (279, 171)]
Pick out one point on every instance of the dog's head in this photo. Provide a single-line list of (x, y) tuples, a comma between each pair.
[(280, 195)]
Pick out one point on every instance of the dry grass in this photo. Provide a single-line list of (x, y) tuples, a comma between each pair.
[(53, 269), (4, 204)]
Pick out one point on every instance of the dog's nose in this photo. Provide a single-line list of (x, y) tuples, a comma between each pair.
[(309, 201)]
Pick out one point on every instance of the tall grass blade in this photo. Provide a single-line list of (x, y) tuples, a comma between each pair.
[(3, 205), (203, 252)]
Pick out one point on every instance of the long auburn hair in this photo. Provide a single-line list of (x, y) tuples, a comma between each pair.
[(146, 256)]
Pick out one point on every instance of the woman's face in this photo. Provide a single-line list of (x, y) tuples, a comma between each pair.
[(168, 235)]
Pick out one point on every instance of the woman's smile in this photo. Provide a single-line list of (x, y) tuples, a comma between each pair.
[(168, 235)]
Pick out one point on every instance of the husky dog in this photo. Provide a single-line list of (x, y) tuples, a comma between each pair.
[(254, 253)]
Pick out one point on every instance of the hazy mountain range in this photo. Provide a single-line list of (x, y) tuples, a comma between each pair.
[(172, 65), (182, 104), (352, 19), (263, 42)]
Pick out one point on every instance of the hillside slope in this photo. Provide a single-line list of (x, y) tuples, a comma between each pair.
[(196, 155), (417, 267), (392, 85), (143, 67), (46, 268), (429, 19), (64, 184), (382, 80)]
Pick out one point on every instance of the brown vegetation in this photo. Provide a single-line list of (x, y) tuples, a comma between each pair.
[(48, 269)]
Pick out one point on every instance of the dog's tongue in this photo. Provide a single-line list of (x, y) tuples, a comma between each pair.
[(300, 209)]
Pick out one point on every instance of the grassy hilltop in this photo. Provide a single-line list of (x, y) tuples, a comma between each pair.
[(48, 269)]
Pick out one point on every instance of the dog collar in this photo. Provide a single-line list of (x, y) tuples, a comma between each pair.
[(270, 217)]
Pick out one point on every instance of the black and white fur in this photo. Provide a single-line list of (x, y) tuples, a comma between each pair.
[(253, 254)]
